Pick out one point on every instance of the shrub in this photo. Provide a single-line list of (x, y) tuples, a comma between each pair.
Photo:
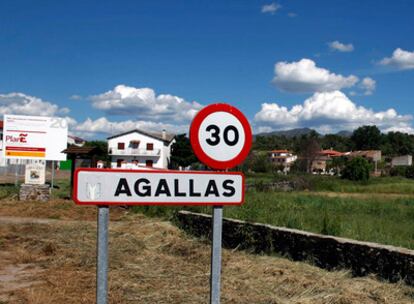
[(398, 171), (357, 169), (409, 172), (261, 163), (405, 171)]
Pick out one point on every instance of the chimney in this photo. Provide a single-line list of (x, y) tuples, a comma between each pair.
[(164, 135)]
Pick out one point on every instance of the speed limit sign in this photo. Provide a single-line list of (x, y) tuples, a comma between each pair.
[(221, 136)]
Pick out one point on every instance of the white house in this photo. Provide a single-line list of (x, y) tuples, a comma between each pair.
[(284, 158), (137, 148), (403, 160)]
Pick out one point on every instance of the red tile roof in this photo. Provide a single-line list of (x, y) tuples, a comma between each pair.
[(331, 152)]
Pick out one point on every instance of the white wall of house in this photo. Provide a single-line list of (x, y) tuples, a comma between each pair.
[(404, 160), (159, 155), (285, 158)]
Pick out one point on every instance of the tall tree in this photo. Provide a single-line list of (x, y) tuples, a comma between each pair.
[(399, 143), (310, 150), (181, 152), (366, 138)]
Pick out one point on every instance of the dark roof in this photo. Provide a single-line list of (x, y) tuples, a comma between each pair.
[(157, 135), (82, 150)]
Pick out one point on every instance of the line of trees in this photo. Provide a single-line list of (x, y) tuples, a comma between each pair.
[(307, 146), (363, 138)]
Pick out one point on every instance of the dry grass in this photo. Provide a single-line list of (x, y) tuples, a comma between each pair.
[(55, 209), (152, 261)]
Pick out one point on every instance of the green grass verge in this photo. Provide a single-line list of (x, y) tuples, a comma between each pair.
[(395, 185), (8, 190), (386, 221)]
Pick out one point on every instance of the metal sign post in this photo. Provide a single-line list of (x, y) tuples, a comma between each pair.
[(217, 227), (221, 138), (53, 176), (102, 256)]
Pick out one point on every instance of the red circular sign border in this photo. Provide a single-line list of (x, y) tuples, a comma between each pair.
[(195, 126)]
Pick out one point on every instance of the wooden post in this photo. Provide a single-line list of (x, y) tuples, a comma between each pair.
[(72, 170)]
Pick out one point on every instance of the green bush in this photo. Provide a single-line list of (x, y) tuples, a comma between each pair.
[(261, 163), (398, 171), (357, 169), (405, 171), (409, 172)]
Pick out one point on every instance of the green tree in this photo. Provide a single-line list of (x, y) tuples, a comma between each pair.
[(336, 142), (181, 152), (309, 152), (102, 146), (357, 169), (399, 143), (366, 138), (261, 163)]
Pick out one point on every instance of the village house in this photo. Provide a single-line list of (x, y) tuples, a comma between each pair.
[(403, 160), (319, 163), (282, 158), (136, 149), (373, 156)]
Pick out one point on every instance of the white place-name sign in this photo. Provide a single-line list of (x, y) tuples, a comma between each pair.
[(138, 187)]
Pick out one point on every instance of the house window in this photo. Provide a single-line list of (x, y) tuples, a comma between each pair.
[(119, 163), (150, 146), (121, 146), (134, 144), (149, 163)]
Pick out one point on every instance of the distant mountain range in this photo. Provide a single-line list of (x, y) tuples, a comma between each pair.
[(299, 132)]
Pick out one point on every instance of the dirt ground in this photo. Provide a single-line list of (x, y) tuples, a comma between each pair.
[(47, 255)]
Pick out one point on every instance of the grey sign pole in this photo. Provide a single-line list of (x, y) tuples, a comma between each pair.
[(102, 256), (53, 176), (217, 226)]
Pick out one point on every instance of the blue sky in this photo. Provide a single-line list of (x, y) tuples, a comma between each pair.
[(59, 58)]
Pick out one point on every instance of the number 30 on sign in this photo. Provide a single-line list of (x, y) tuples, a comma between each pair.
[(221, 136)]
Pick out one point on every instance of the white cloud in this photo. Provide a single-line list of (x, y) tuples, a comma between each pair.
[(19, 103), (403, 60), (292, 15), (144, 103), (270, 8), (329, 112), (368, 85), (102, 126), (75, 97), (340, 47), (304, 76)]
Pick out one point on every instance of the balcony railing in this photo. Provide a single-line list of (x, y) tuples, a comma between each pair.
[(134, 152)]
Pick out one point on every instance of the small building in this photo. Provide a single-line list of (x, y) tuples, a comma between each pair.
[(373, 156), (320, 161), (283, 158), (81, 157), (370, 155), (403, 160), (136, 149)]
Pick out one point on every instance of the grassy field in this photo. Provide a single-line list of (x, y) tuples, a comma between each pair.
[(381, 210), (389, 185), (151, 261)]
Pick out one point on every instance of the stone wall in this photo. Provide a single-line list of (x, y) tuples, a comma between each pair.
[(30, 192), (362, 258)]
